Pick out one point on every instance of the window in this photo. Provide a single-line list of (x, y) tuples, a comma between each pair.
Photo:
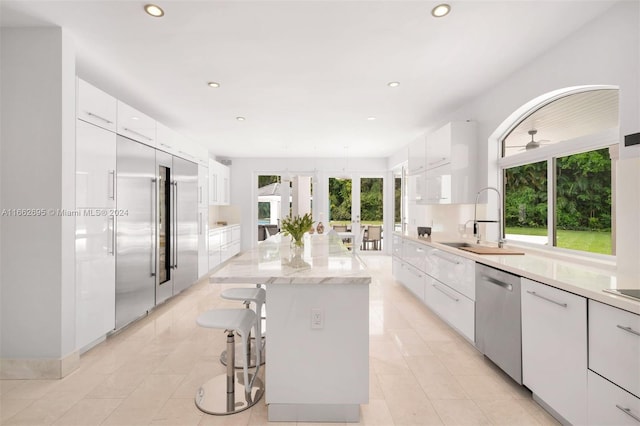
[(558, 173)]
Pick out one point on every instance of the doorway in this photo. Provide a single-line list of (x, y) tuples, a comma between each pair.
[(356, 204)]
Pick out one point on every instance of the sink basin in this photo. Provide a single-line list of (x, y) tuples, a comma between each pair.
[(457, 244)]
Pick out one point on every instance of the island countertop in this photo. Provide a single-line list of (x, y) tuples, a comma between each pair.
[(326, 261)]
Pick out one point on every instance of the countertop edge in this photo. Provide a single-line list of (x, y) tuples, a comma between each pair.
[(491, 260)]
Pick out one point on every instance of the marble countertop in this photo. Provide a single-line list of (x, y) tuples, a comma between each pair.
[(325, 260), (563, 272)]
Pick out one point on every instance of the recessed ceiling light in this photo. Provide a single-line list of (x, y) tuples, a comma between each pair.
[(240, 118), (371, 118), (153, 10), (393, 84), (213, 84), (441, 10), (135, 118)]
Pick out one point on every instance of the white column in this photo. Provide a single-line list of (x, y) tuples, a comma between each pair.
[(37, 171)]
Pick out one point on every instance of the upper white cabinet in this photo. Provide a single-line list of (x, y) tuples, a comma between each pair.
[(95, 166), (136, 125), (95, 106), (219, 183), (449, 162), (417, 156), (554, 348)]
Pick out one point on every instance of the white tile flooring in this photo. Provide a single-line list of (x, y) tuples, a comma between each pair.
[(422, 372)]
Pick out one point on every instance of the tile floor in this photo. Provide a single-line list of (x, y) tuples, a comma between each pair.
[(422, 372)]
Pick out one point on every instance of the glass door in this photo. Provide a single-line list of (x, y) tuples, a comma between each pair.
[(355, 206)]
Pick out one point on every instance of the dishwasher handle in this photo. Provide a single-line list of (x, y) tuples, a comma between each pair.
[(491, 280)]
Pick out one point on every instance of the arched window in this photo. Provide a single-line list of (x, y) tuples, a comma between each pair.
[(558, 171)]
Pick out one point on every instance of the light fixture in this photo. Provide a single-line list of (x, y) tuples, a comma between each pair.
[(240, 118), (213, 84), (371, 118), (153, 10), (441, 10), (393, 84)]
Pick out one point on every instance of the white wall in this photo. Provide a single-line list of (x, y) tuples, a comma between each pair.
[(38, 172), (605, 51), (244, 182)]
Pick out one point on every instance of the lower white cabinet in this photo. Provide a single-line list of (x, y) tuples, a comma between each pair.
[(614, 334), (611, 405), (554, 349), (224, 243), (453, 307), (413, 279), (95, 278)]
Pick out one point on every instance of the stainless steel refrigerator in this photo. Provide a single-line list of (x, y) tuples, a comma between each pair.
[(157, 239)]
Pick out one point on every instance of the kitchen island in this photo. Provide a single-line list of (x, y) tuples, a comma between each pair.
[(318, 326)]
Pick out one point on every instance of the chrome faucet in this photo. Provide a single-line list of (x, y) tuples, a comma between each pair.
[(476, 222)]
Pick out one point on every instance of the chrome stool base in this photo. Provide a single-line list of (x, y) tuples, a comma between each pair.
[(212, 397), (239, 363)]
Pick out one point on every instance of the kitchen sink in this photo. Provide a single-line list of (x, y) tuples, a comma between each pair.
[(457, 244)]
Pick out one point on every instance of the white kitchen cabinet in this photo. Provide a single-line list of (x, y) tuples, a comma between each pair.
[(453, 307), (413, 279), (416, 187), (203, 241), (135, 125), (224, 243), (614, 345), (450, 165), (95, 166), (554, 348), (455, 271), (415, 254), (95, 106), (95, 278), (397, 242), (215, 236), (203, 187), (609, 405), (417, 153), (219, 183)]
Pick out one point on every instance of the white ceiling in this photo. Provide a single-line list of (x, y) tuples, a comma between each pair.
[(305, 74)]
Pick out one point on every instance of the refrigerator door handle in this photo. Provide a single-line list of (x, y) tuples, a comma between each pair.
[(112, 184), (175, 225), (112, 232), (154, 195)]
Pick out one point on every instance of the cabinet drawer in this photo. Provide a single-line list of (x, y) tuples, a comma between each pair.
[(95, 106), (413, 279), (614, 345), (610, 405), (415, 254), (455, 271), (451, 306), (397, 245)]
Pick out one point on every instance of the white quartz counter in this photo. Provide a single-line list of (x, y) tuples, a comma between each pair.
[(326, 261), (577, 277)]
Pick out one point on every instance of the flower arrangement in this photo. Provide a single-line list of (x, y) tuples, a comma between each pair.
[(296, 226)]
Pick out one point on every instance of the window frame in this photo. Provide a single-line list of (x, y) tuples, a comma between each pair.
[(605, 139)]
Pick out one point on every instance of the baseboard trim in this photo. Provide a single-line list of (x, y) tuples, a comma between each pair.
[(33, 369)]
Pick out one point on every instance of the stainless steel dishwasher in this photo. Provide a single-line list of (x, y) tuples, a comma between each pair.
[(498, 328)]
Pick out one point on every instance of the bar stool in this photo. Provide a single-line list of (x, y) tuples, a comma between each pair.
[(247, 296), (218, 396)]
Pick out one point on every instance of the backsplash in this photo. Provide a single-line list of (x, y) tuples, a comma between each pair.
[(446, 220)]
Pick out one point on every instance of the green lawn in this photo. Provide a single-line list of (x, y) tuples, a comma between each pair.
[(591, 241)]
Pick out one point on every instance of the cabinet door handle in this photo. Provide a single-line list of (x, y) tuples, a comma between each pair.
[(628, 412), (445, 293), (112, 186), (436, 254), (90, 114), (200, 224), (138, 133), (628, 329), (414, 273), (533, 293)]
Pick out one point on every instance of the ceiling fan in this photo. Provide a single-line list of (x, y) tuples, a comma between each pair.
[(533, 144)]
